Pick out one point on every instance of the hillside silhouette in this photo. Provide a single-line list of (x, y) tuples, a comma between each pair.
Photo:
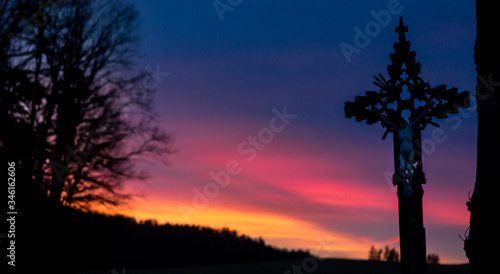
[(67, 238)]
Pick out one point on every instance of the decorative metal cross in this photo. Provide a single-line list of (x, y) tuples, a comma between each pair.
[(404, 105)]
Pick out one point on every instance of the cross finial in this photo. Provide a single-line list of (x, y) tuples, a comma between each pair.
[(401, 29), (404, 79)]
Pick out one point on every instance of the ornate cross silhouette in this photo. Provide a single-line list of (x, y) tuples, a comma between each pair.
[(405, 104)]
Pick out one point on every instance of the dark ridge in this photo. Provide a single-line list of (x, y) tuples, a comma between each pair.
[(62, 238)]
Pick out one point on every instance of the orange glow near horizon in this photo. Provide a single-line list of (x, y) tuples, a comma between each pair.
[(299, 198), (277, 230)]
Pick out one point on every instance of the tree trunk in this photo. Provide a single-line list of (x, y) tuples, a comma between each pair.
[(482, 245)]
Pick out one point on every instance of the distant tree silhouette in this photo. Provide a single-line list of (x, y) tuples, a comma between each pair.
[(390, 255), (386, 253), (70, 96), (374, 255), (393, 256), (433, 258), (481, 245)]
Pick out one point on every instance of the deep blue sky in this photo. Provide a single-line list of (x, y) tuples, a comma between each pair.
[(227, 76)]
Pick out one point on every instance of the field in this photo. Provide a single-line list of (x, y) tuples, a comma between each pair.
[(336, 266)]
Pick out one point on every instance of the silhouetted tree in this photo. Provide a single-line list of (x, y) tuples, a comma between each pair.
[(17, 138), (433, 258), (481, 246), (72, 97), (386, 253), (374, 254), (391, 255)]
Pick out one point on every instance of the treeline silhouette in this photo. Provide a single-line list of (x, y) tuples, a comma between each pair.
[(392, 255), (389, 255), (62, 238), (433, 258)]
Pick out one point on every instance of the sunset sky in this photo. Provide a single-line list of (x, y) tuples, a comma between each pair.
[(321, 181)]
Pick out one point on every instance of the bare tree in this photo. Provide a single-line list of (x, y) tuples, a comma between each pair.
[(16, 92), (89, 125)]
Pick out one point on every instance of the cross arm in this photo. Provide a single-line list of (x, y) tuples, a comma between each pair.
[(362, 107), (448, 101)]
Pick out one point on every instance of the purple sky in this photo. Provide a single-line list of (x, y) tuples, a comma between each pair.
[(323, 175)]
